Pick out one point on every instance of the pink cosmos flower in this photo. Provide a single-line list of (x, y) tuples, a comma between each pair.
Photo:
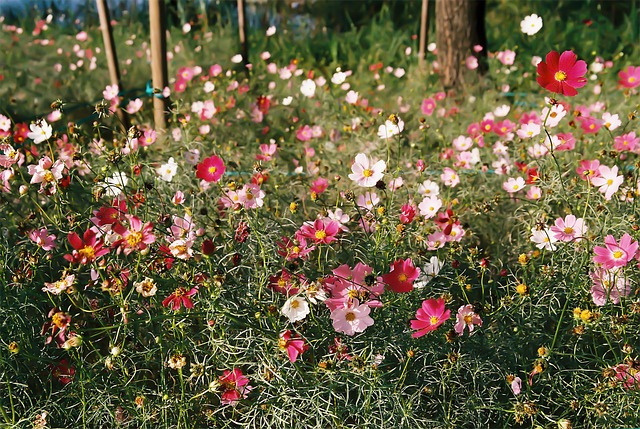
[(562, 74), (364, 173), (251, 196), (608, 181), (347, 284), (566, 141), (148, 138), (400, 278), (293, 250), (136, 237), (615, 254), (429, 206), (292, 345), (590, 125), (428, 106), (58, 325), (466, 318), (351, 318), (569, 229), (627, 141), (534, 193), (516, 385), (588, 169), (10, 156), (609, 285), (513, 185), (42, 239), (507, 57), (210, 169), (319, 185), (304, 133), (629, 78), (450, 177), (628, 375), (321, 231), (85, 250), (407, 213), (268, 151), (47, 173), (180, 297), (235, 386), (428, 318)]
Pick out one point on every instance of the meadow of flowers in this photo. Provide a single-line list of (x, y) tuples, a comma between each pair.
[(320, 244)]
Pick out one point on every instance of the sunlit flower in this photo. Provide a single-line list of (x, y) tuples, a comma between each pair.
[(234, 385), (365, 172), (180, 297), (429, 317), (562, 74), (543, 238), (352, 318), (466, 318), (295, 309), (531, 24)]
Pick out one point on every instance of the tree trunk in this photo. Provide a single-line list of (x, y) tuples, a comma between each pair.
[(459, 23)]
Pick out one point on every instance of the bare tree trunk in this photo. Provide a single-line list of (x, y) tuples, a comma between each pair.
[(453, 39)]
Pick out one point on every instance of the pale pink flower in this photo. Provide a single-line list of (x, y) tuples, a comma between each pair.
[(450, 177), (365, 172), (466, 318), (513, 185), (608, 182), (430, 206), (534, 193), (352, 318), (42, 238), (609, 285), (543, 238), (569, 229)]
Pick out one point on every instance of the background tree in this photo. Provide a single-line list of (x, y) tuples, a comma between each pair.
[(459, 26)]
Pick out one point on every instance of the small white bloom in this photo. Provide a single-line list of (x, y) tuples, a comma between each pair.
[(308, 88), (236, 59), (114, 185), (270, 31), (209, 87), (40, 131), (543, 238), (428, 272), (338, 77), (389, 129), (502, 111), (168, 171), (295, 308), (287, 101), (531, 24)]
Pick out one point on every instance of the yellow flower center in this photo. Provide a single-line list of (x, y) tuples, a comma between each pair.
[(568, 230), (87, 252), (295, 304), (134, 238), (179, 292), (618, 254), (434, 320), (59, 319), (48, 177), (632, 79), (350, 316), (321, 234), (402, 277), (367, 173), (560, 76), (282, 343), (610, 182), (468, 319), (212, 170)]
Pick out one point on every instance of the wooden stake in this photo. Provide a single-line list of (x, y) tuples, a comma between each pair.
[(110, 52), (423, 33), (159, 70), (244, 48)]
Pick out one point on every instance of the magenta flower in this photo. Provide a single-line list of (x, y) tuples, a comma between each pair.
[(428, 318), (466, 318), (627, 141), (292, 345), (181, 296), (321, 231), (210, 169), (347, 284), (629, 78), (428, 106), (137, 237), (569, 229), (235, 386), (615, 254), (588, 169), (400, 278)]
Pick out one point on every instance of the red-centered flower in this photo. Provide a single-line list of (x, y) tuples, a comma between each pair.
[(87, 249), (181, 296), (428, 318), (562, 74), (211, 169), (292, 345), (402, 275), (235, 386)]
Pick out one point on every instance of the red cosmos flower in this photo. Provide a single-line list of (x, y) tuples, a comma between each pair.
[(285, 283), (293, 346), (63, 372), (402, 275), (85, 250), (562, 74), (110, 215), (211, 169), (235, 386), (180, 296), (263, 104), (321, 231), (407, 213)]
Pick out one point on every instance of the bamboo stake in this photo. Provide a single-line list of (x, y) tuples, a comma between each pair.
[(110, 52), (243, 34), (159, 70), (423, 33)]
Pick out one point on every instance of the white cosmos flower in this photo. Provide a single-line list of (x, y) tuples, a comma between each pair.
[(40, 131), (531, 24), (295, 308)]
